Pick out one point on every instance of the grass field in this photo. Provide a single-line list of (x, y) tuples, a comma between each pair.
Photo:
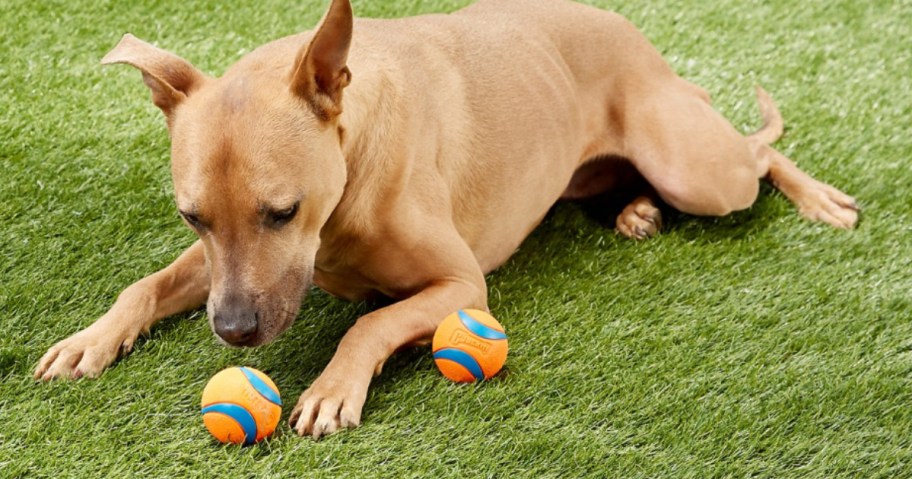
[(758, 345)]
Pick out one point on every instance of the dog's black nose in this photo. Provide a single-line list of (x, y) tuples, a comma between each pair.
[(236, 325)]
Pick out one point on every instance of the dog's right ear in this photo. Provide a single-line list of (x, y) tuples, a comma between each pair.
[(170, 77)]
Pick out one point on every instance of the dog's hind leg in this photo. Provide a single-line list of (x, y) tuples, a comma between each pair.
[(815, 200)]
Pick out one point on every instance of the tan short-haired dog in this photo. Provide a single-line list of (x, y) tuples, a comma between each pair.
[(408, 158)]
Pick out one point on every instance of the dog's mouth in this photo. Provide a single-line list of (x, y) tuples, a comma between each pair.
[(262, 329), (251, 342)]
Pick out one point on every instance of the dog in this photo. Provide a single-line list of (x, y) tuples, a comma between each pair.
[(408, 158)]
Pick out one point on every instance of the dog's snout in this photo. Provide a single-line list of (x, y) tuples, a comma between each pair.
[(236, 324)]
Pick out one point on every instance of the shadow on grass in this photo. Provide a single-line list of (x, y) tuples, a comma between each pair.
[(604, 210), (302, 352)]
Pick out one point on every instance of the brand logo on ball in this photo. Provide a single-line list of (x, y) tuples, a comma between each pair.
[(469, 345), (461, 337)]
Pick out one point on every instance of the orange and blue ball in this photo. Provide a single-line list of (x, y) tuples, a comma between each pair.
[(469, 345), (241, 405)]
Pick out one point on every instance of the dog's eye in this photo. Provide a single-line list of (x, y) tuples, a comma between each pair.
[(192, 219), (282, 217)]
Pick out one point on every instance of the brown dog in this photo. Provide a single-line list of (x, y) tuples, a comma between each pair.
[(408, 158)]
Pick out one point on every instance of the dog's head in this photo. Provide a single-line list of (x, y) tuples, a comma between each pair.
[(258, 169)]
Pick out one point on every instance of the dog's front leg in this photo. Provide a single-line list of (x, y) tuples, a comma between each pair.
[(181, 286), (335, 399)]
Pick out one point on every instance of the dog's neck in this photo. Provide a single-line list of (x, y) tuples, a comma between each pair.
[(369, 99), (369, 113)]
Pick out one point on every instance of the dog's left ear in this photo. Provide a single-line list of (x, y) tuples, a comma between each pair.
[(320, 72)]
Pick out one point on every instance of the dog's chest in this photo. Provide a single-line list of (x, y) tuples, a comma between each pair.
[(349, 287)]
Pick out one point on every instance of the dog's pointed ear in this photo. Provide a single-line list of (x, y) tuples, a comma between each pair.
[(320, 72), (170, 77)]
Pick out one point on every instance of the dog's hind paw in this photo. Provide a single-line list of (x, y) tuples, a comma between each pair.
[(641, 219), (824, 203)]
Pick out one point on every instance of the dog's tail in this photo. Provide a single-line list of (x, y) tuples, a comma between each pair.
[(772, 120)]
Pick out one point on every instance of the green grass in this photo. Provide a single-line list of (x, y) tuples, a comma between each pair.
[(758, 345)]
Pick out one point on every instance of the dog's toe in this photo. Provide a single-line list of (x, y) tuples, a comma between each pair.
[(61, 364)]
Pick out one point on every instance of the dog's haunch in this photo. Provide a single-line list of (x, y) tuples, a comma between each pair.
[(241, 406), (469, 345)]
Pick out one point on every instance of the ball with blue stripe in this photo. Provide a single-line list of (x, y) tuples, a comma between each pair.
[(470, 345), (241, 405)]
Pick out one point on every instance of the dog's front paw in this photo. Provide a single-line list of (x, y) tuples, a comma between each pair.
[(84, 354), (329, 405)]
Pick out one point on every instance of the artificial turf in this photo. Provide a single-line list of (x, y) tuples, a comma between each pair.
[(757, 345)]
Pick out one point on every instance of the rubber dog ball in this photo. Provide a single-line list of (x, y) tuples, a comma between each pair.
[(469, 345), (241, 406)]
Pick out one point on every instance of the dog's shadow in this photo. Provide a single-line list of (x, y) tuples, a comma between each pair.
[(301, 353), (604, 209)]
